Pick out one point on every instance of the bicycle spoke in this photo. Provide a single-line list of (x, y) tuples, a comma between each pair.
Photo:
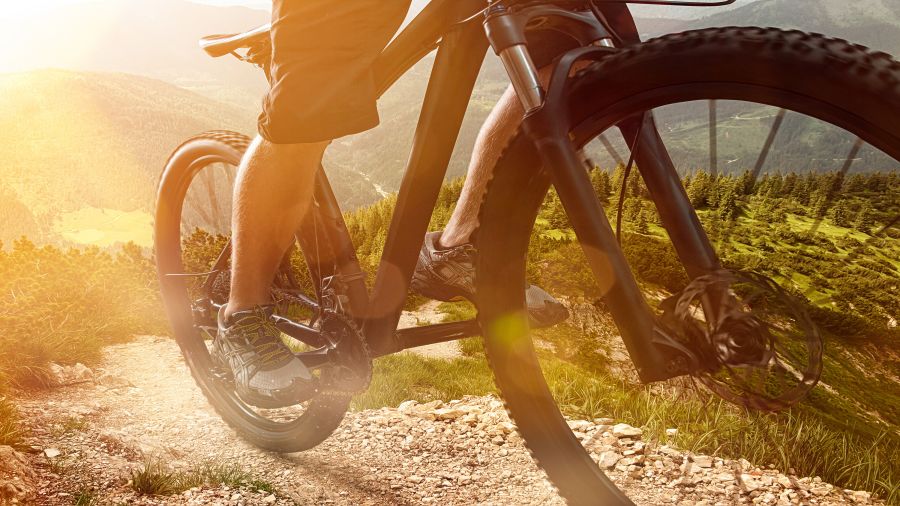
[(832, 192), (611, 150), (764, 154)]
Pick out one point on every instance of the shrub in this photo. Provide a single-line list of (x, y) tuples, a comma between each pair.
[(63, 306)]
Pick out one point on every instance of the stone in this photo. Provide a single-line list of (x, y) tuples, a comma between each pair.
[(703, 461), (671, 432), (623, 430), (861, 497), (270, 499), (784, 481), (113, 381), (407, 406), (448, 413), (580, 425), (608, 459), (749, 483), (51, 453), (68, 374), (16, 478), (820, 489)]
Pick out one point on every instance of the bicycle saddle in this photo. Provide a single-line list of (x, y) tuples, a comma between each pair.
[(220, 45)]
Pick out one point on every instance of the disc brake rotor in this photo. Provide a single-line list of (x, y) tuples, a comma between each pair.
[(760, 349)]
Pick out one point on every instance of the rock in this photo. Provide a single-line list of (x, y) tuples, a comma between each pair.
[(861, 497), (821, 489), (448, 413), (16, 478), (703, 461), (604, 421), (784, 481), (270, 499), (749, 483), (608, 459), (631, 461), (622, 430), (580, 425), (407, 406), (68, 374), (113, 381), (671, 432), (415, 479), (51, 453)]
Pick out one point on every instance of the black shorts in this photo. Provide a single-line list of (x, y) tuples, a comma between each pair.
[(322, 86)]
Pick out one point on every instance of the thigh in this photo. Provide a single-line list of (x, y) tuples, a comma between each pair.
[(322, 85)]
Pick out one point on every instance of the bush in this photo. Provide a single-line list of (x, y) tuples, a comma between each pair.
[(63, 306)]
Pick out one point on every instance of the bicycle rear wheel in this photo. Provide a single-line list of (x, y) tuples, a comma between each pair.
[(192, 229), (761, 82)]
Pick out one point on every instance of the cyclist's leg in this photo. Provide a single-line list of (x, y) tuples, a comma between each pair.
[(272, 193), (502, 124), (499, 127), (321, 88)]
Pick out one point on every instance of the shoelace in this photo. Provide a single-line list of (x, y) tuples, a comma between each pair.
[(261, 336), (454, 253)]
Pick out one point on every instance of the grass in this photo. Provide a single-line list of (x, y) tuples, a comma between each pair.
[(154, 478), (86, 497), (10, 431), (69, 425), (408, 376)]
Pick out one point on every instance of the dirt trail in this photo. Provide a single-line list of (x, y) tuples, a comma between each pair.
[(142, 403), (424, 315)]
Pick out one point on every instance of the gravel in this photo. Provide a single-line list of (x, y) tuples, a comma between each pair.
[(460, 452)]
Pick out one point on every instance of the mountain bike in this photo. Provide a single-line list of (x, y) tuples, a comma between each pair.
[(742, 333)]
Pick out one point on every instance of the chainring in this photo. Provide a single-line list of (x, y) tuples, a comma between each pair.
[(761, 351), (351, 369)]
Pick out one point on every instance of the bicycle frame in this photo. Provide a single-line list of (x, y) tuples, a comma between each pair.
[(456, 29)]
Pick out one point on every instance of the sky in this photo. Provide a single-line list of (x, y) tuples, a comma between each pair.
[(27, 8)]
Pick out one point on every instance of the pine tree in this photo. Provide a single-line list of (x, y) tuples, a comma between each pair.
[(698, 191), (636, 187), (764, 210), (864, 221), (787, 185), (840, 215), (602, 187), (617, 177), (746, 183), (632, 209), (728, 202), (819, 202), (774, 186), (642, 227)]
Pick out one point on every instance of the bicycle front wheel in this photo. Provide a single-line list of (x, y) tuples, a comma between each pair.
[(788, 144)]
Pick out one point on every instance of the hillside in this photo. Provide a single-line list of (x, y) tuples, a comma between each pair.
[(874, 23), (80, 149), (154, 38)]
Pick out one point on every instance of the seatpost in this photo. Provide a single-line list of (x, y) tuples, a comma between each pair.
[(506, 34)]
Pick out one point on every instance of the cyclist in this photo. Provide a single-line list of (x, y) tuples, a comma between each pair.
[(322, 88)]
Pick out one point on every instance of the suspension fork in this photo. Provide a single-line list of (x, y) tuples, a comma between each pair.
[(656, 356)]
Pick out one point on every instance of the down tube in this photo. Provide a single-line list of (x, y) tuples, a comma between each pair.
[(456, 67), (626, 303), (665, 188)]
